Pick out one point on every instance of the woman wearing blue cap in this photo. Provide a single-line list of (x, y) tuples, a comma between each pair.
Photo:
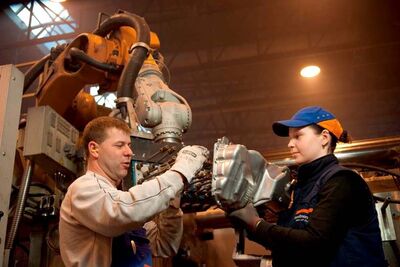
[(332, 219)]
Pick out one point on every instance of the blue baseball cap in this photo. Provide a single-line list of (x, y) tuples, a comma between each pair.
[(307, 116)]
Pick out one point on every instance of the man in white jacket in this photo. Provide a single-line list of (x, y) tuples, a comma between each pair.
[(94, 210)]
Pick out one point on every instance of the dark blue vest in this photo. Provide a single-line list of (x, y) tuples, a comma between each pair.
[(362, 245), (131, 249)]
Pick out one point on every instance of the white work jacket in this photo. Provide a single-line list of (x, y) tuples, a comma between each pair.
[(94, 211)]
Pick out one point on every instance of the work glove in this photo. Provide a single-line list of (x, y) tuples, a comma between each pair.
[(246, 217), (190, 160)]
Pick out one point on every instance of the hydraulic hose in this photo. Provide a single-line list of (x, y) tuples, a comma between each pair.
[(23, 192), (139, 52), (375, 168), (80, 55), (34, 72)]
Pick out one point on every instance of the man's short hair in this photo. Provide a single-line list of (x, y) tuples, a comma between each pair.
[(96, 129)]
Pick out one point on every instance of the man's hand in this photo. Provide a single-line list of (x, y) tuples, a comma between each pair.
[(246, 216), (190, 160)]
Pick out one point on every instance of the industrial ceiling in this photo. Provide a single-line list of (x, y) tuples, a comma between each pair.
[(237, 62)]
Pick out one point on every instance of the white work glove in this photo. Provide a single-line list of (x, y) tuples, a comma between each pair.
[(190, 160)]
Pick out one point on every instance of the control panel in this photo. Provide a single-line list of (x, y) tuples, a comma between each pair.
[(50, 140)]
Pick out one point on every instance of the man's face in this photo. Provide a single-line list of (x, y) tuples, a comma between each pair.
[(114, 154)]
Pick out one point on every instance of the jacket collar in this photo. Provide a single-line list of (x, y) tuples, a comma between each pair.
[(311, 171)]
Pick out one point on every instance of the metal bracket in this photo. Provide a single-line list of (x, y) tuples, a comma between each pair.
[(11, 85), (385, 218)]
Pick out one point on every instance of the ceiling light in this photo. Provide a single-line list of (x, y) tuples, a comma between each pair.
[(310, 71)]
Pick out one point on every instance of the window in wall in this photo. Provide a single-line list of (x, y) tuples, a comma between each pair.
[(43, 20), (107, 99)]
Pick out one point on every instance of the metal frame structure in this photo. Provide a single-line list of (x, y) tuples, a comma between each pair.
[(37, 32), (11, 84)]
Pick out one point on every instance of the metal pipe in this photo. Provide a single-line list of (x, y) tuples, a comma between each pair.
[(366, 151), (34, 72), (22, 194), (241, 240), (26, 64), (215, 219)]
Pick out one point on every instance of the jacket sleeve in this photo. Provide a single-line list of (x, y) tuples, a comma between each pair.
[(165, 231), (342, 203), (102, 208)]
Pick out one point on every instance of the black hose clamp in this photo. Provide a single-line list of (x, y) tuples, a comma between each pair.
[(140, 44)]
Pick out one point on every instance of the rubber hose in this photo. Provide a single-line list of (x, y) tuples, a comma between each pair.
[(139, 54), (80, 55), (371, 167), (22, 194), (34, 72)]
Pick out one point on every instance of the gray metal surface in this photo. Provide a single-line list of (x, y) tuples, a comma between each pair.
[(241, 176), (232, 181), (11, 84), (158, 107), (49, 140), (386, 225)]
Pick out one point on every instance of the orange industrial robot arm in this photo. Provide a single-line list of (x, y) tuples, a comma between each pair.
[(110, 57)]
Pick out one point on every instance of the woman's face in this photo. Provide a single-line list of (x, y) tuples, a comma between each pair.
[(306, 144)]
